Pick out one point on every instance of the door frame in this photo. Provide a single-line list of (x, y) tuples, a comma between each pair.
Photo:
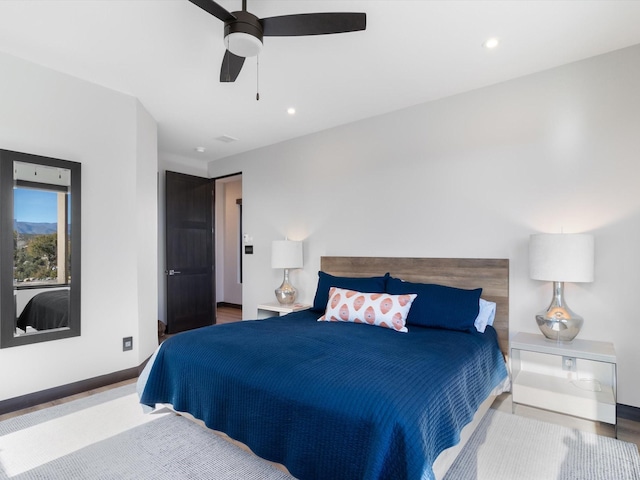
[(221, 232)]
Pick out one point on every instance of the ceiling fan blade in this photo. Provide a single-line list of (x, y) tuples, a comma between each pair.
[(214, 9), (231, 66), (313, 24)]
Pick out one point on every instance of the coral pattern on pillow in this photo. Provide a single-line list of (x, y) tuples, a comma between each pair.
[(381, 309)]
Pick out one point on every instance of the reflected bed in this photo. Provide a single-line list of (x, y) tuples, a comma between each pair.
[(45, 311)]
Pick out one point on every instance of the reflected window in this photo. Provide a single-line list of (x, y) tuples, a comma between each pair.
[(41, 235)]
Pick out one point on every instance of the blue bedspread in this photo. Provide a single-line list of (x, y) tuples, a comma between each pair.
[(330, 400)]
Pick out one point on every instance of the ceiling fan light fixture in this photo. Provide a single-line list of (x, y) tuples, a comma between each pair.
[(243, 44)]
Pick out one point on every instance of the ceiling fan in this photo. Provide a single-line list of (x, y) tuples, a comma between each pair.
[(243, 31)]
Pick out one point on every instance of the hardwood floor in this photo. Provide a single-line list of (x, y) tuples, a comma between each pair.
[(228, 315), (88, 393), (223, 315), (627, 430)]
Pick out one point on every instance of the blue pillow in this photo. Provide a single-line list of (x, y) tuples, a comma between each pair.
[(365, 285), (439, 306)]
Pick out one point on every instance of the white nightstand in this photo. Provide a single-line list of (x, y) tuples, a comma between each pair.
[(577, 378), (266, 310)]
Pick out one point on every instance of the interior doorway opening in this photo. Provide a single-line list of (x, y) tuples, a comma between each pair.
[(228, 247)]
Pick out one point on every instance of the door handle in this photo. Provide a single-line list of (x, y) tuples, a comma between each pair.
[(173, 272)]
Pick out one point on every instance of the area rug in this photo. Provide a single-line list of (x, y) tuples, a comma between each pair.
[(509, 447), (106, 436)]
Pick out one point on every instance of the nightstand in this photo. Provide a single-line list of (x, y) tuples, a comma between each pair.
[(577, 378), (266, 310)]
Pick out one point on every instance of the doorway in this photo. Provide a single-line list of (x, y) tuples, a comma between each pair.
[(228, 246), (201, 236)]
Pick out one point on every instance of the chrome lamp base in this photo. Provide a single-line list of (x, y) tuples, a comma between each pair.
[(286, 293), (559, 322)]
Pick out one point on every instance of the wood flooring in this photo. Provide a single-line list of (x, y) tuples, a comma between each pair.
[(627, 430), (228, 315), (223, 315)]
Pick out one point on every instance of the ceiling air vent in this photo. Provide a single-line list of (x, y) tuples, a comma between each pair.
[(226, 139)]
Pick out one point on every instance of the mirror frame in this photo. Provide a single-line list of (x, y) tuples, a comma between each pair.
[(7, 313)]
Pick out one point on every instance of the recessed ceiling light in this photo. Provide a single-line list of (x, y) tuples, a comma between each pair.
[(200, 149), (291, 111), (491, 43)]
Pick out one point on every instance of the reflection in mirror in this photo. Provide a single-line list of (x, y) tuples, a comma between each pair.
[(42, 243), (43, 300)]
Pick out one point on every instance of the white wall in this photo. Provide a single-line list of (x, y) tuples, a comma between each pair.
[(147, 232), (471, 176), (48, 113)]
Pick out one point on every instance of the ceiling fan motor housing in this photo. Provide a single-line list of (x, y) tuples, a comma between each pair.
[(243, 35)]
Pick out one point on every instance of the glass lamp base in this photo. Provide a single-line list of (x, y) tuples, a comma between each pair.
[(559, 322), (286, 293)]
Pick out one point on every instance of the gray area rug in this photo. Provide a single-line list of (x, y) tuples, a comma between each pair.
[(510, 447), (106, 436), (170, 447)]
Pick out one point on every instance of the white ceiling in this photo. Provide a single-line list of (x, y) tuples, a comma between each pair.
[(167, 53)]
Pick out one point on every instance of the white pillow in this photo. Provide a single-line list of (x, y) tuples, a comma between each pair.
[(486, 315), (380, 309)]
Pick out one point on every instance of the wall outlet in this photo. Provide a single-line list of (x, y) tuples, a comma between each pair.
[(569, 364), (127, 344)]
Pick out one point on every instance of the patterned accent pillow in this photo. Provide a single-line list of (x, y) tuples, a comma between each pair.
[(381, 309)]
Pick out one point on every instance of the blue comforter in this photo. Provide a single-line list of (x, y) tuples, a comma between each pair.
[(330, 400)]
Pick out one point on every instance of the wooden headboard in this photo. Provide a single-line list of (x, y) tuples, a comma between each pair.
[(492, 275)]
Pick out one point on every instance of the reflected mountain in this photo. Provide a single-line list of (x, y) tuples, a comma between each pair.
[(33, 228)]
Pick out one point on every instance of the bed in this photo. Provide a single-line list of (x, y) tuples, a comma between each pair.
[(338, 399), (45, 311)]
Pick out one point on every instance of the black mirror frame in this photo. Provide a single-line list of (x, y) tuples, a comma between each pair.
[(7, 320)]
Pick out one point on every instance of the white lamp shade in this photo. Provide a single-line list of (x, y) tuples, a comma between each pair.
[(561, 257), (286, 254)]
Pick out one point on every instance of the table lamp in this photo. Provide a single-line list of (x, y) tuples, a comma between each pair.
[(560, 258), (286, 254)]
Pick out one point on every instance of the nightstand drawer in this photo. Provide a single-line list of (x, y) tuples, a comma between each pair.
[(576, 379)]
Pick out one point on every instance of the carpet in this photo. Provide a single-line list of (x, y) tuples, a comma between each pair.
[(509, 447), (106, 436)]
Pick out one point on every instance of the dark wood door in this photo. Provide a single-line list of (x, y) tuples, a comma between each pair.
[(189, 245)]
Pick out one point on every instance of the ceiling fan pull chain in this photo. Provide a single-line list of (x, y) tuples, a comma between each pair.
[(257, 78)]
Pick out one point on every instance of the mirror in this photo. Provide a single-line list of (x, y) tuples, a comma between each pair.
[(39, 249)]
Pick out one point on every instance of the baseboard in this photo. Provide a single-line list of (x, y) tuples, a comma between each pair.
[(44, 396), (229, 305), (629, 412)]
